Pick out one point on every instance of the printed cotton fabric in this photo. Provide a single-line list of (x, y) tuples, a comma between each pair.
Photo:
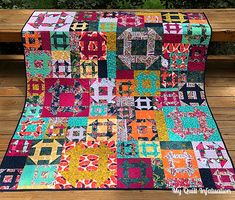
[(115, 100)]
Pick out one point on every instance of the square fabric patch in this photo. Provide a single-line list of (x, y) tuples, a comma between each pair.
[(116, 100), (187, 123), (87, 161), (66, 97), (134, 172)]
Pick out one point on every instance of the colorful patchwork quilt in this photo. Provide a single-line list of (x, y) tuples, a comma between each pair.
[(116, 100)]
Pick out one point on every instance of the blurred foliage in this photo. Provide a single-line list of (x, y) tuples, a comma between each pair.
[(72, 4), (189, 4), (20, 4), (119, 4), (152, 4)]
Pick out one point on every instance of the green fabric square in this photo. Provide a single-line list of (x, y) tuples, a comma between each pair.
[(93, 26), (45, 151), (138, 47), (59, 40)]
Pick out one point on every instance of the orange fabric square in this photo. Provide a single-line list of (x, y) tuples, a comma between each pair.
[(180, 164)]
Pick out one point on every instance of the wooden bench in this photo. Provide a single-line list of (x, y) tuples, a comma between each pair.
[(221, 20)]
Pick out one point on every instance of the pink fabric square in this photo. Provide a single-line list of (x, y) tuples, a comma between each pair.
[(223, 178), (134, 173), (67, 99), (139, 173), (170, 99)]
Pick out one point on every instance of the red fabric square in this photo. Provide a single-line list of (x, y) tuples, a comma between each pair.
[(196, 66), (125, 74), (172, 38), (19, 147), (46, 40), (198, 52)]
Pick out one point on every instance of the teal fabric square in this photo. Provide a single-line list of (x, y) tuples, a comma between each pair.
[(43, 60), (27, 175), (187, 123), (31, 128), (141, 87), (45, 174), (77, 121), (38, 176), (191, 33), (32, 111), (98, 110), (127, 149), (178, 61), (111, 64), (196, 29)]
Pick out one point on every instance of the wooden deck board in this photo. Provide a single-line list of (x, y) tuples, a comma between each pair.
[(221, 20), (12, 91)]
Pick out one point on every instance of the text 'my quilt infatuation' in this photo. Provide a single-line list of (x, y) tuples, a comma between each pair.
[(115, 100)]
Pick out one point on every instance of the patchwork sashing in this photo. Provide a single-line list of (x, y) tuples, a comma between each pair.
[(116, 100)]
